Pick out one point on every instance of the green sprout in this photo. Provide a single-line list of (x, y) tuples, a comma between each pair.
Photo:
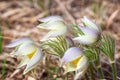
[(4, 67), (108, 48)]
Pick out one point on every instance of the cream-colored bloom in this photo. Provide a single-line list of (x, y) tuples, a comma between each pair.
[(75, 60), (90, 36), (55, 24), (91, 32), (31, 54)]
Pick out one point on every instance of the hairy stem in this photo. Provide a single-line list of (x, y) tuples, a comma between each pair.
[(101, 73), (114, 72), (91, 70), (99, 68), (86, 76)]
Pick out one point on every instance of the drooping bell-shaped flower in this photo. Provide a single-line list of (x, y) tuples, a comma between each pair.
[(31, 53), (55, 24), (89, 37), (91, 32), (75, 60)]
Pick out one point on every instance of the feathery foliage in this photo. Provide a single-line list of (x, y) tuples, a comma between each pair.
[(58, 46), (91, 52), (108, 46), (77, 30)]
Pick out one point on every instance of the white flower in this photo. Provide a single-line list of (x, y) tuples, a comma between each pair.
[(89, 37), (75, 60), (31, 53), (91, 32), (55, 24)]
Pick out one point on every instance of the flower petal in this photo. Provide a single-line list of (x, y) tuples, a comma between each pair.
[(80, 74), (72, 54), (53, 34), (69, 68), (90, 24), (89, 37), (19, 41), (25, 49), (85, 39), (24, 61), (34, 60), (51, 18), (81, 67), (83, 63), (56, 25)]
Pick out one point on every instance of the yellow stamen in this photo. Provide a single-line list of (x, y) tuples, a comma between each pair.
[(31, 54), (74, 62)]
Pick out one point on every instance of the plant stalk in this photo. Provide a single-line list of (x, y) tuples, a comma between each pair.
[(101, 73), (91, 71), (86, 76), (114, 71), (99, 68), (67, 77)]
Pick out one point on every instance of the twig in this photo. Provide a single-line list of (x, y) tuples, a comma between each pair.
[(110, 19), (14, 73), (5, 37), (65, 11)]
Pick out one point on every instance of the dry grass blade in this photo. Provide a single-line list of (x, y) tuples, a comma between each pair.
[(10, 12), (65, 11), (15, 72), (0, 40), (30, 78), (110, 19)]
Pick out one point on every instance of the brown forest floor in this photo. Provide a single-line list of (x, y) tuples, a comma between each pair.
[(18, 18)]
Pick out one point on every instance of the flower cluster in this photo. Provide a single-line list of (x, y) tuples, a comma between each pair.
[(76, 53)]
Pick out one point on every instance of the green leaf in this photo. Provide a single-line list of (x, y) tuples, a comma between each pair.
[(3, 67)]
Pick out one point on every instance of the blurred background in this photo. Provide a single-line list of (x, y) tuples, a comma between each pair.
[(18, 18)]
